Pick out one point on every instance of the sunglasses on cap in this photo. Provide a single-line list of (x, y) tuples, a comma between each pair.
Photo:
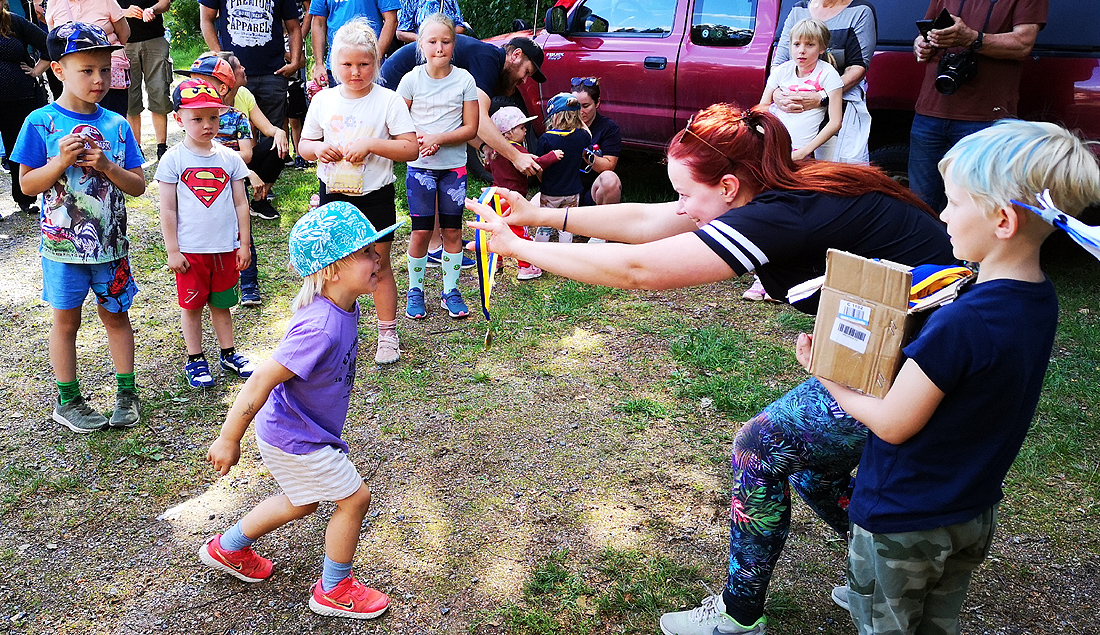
[(585, 81)]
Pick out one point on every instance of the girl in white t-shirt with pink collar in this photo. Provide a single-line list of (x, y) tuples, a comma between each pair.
[(807, 71)]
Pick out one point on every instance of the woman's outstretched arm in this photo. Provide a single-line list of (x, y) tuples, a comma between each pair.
[(632, 223), (681, 260)]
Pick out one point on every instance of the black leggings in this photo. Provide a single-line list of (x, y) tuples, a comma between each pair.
[(14, 112), (266, 162)]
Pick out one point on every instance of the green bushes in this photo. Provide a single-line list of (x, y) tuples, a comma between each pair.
[(488, 17), (493, 17), (183, 20)]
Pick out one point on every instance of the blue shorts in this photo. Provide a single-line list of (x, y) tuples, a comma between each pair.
[(428, 189), (66, 284)]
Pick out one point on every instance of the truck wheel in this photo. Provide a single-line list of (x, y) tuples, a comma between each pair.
[(894, 160)]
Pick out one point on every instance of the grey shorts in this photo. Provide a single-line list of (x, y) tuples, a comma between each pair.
[(559, 201), (149, 60), (270, 93)]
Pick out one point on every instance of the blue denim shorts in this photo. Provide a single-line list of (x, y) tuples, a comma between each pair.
[(66, 284)]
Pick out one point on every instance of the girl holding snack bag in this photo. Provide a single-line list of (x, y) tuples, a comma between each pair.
[(355, 131)]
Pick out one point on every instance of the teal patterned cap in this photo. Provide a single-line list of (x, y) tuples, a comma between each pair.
[(329, 233)]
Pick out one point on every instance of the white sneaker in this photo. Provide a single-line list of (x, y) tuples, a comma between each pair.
[(707, 619), (756, 292), (840, 596), (389, 348)]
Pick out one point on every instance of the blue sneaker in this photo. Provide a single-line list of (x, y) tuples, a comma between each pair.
[(414, 305), (198, 374), (435, 259), (239, 364), (452, 301), (250, 296)]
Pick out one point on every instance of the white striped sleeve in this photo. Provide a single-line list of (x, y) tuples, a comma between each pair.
[(740, 253)]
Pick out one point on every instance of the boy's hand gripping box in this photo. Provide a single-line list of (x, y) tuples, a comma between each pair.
[(863, 321)]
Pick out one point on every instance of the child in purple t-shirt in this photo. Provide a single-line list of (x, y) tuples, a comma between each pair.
[(299, 399)]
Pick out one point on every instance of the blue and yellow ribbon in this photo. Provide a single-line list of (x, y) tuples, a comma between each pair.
[(486, 260)]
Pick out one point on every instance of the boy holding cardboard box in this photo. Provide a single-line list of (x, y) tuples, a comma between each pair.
[(944, 436)]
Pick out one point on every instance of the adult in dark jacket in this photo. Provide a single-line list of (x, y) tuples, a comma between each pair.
[(19, 88)]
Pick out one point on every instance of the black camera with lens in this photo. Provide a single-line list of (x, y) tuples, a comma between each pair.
[(955, 69)]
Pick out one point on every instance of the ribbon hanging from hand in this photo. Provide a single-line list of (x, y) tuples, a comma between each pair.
[(486, 260)]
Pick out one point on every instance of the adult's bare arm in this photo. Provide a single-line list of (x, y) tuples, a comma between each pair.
[(1014, 45), (207, 16), (670, 263), (622, 222)]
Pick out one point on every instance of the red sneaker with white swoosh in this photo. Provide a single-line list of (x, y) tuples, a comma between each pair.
[(244, 564), (350, 598)]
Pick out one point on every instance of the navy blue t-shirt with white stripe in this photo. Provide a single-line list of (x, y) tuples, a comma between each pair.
[(783, 236)]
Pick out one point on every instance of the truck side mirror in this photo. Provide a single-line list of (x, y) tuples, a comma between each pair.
[(558, 22)]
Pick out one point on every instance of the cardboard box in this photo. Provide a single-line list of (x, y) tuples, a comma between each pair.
[(863, 321)]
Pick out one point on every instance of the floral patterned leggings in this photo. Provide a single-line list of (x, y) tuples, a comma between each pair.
[(802, 440)]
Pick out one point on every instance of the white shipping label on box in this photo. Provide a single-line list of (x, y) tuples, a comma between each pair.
[(855, 312), (850, 335)]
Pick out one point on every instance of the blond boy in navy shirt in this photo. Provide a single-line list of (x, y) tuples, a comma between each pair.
[(924, 508)]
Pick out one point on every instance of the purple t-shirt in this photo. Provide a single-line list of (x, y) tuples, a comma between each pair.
[(308, 411)]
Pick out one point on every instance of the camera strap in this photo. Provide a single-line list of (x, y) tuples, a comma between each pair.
[(988, 16)]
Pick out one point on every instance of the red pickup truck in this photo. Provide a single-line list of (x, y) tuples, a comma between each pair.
[(659, 61)]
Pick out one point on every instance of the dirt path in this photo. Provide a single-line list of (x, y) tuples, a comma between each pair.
[(481, 463)]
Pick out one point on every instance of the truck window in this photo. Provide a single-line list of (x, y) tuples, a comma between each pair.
[(626, 17), (723, 22)]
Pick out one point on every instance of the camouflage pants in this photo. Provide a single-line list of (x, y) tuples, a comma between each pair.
[(915, 582)]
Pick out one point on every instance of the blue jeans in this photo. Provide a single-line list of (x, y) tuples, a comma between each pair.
[(249, 276), (929, 140)]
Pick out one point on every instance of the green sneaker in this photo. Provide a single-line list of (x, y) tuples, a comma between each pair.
[(126, 414), (78, 416)]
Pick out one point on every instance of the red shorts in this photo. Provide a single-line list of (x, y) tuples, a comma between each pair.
[(211, 279)]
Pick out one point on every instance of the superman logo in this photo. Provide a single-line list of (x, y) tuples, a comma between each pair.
[(205, 183)]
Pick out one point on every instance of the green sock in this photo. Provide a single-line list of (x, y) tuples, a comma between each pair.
[(451, 269), (416, 271), (125, 382), (68, 390)]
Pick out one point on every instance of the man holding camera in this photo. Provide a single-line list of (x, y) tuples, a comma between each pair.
[(974, 54)]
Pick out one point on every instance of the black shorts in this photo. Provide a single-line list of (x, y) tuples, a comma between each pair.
[(296, 104), (378, 206)]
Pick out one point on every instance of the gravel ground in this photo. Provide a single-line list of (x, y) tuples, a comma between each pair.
[(474, 483)]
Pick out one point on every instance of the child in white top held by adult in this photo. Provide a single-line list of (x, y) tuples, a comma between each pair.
[(299, 399), (442, 100), (806, 71), (356, 131)]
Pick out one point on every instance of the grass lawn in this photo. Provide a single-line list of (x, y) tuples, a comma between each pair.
[(573, 478)]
